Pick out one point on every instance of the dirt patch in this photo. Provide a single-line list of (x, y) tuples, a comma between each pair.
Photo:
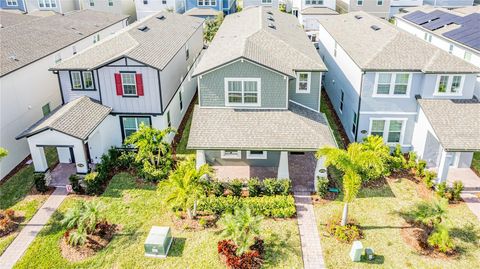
[(201, 222), (317, 200)]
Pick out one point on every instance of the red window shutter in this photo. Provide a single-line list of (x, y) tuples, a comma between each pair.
[(118, 84), (138, 78)]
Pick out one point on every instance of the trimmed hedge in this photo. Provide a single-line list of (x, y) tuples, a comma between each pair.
[(279, 206)]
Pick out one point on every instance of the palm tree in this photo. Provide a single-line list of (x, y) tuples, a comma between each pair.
[(84, 217), (429, 213), (241, 227), (183, 187)]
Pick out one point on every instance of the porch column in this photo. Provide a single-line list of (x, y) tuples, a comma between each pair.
[(80, 157), (283, 166), (318, 173), (200, 160), (443, 166), (38, 158)]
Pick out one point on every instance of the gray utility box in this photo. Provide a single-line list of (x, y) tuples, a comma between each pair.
[(158, 242)]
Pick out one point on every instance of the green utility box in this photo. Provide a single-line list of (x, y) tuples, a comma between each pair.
[(158, 242)]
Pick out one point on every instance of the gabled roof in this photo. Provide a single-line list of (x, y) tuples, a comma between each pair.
[(77, 118), (9, 18), (313, 10), (247, 34), (389, 48), (27, 42), (203, 12), (155, 46)]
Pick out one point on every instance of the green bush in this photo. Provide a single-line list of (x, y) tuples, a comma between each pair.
[(235, 187), (40, 182), (93, 183), (273, 186), (75, 182), (412, 160), (429, 178), (420, 169), (440, 239), (322, 186), (347, 233), (218, 188), (456, 190), (443, 191), (397, 160), (254, 187)]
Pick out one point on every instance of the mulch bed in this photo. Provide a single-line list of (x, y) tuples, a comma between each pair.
[(9, 222), (182, 222)]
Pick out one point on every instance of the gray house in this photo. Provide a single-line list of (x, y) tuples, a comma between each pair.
[(259, 99)]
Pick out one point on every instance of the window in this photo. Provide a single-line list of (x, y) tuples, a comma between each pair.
[(207, 2), (82, 80), (145, 2), (76, 78), (467, 56), (342, 95), (187, 51), (267, 1), (46, 109), (303, 83), (129, 84), (47, 3), (313, 2), (450, 49), (257, 154), (87, 80), (354, 125), (335, 50), (392, 84), (379, 2), (359, 2), (169, 121), (390, 130), (12, 3), (242, 91), (231, 154), (164, 2), (449, 85), (181, 100), (58, 58), (92, 3), (94, 39), (427, 37), (110, 3), (132, 124)]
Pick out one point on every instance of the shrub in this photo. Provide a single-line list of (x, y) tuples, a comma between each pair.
[(420, 169), (203, 222), (427, 213), (440, 240), (322, 186), (75, 182), (236, 186), (40, 182), (397, 160), (218, 188), (273, 186), (347, 233), (412, 160), (443, 191), (7, 224), (83, 217), (93, 183), (254, 187), (456, 190), (429, 178)]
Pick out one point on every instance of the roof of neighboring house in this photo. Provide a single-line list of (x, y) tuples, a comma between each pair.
[(318, 11), (247, 34), (455, 122), (202, 12), (8, 18), (228, 128), (389, 48), (77, 118), (28, 42), (155, 46)]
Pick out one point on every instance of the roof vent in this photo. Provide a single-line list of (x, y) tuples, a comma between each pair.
[(143, 28), (269, 13), (13, 57), (271, 25), (161, 17), (374, 27), (358, 17), (270, 18)]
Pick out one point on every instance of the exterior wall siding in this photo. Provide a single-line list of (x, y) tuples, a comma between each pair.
[(154, 6), (370, 6), (448, 3), (312, 99), (213, 157), (250, 3), (20, 5)]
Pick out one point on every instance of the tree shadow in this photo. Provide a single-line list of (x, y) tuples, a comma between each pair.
[(276, 247), (469, 233), (379, 259), (376, 188), (178, 245)]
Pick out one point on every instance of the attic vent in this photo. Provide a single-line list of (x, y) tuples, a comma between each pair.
[(270, 18), (13, 57), (161, 17), (358, 17), (271, 25), (143, 28), (269, 13), (374, 27)]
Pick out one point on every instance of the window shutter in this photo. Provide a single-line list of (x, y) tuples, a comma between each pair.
[(118, 84), (138, 78)]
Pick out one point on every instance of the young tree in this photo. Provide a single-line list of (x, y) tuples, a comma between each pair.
[(183, 188), (83, 217)]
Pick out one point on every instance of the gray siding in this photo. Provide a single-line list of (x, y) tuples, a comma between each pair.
[(370, 6), (69, 94), (448, 3), (273, 85), (430, 82), (214, 158), (311, 99)]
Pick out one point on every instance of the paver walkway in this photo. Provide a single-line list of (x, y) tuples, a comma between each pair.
[(472, 201), (16, 249), (307, 225)]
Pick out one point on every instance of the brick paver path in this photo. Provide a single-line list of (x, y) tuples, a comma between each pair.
[(16, 249), (307, 225)]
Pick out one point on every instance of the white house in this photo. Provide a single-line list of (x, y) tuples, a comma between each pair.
[(309, 11), (146, 8), (29, 90), (139, 75), (266, 3), (384, 81), (125, 7)]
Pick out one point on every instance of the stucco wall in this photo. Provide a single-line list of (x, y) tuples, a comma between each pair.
[(213, 157)]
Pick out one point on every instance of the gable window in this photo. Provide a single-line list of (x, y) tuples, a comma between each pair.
[(46, 109), (392, 84), (129, 84), (342, 95), (449, 84), (354, 125), (110, 3), (206, 2), (391, 130), (132, 124), (379, 2), (257, 154), (467, 56), (242, 91), (450, 49), (359, 2), (87, 80), (76, 78), (303, 82), (12, 3), (231, 154)]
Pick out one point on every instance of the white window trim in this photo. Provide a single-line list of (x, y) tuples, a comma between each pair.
[(259, 91), (309, 82), (205, 3), (387, 127), (251, 156), (358, 4), (266, 2), (381, 4), (237, 156), (449, 86), (81, 80), (354, 123), (392, 86), (12, 3), (134, 83)]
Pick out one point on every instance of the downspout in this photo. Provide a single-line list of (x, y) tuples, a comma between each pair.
[(358, 110), (25, 6)]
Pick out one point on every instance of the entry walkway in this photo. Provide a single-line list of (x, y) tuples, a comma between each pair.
[(309, 237), (16, 249)]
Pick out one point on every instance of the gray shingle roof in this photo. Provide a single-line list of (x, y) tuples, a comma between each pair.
[(455, 122), (154, 47), (8, 18), (226, 128), (389, 48), (247, 35), (318, 11), (202, 12), (77, 118), (35, 39)]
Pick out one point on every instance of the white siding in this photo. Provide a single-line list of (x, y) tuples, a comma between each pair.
[(249, 3)]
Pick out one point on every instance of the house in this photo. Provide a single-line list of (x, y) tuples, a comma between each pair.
[(309, 11), (397, 6), (448, 3), (58, 6), (379, 8), (384, 81), (13, 5), (266, 3), (445, 29), (140, 75), (259, 99), (210, 8), (146, 8), (125, 7), (29, 49)]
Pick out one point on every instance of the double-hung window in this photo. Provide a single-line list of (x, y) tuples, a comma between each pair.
[(231, 154), (92, 3), (303, 82), (392, 84), (427, 37), (47, 3), (132, 124), (390, 130), (354, 124), (76, 78), (379, 2), (110, 3), (242, 91), (359, 2), (342, 96), (206, 2), (129, 85), (267, 1), (449, 85), (82, 80), (12, 3), (87, 80)]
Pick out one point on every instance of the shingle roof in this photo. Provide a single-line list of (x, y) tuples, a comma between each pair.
[(8, 18), (155, 46), (295, 129), (30, 41), (77, 118), (455, 122), (389, 48), (318, 11), (202, 12), (247, 34)]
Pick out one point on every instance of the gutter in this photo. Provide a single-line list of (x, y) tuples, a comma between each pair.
[(359, 106)]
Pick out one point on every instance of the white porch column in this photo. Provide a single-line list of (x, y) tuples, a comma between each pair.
[(283, 166), (443, 166), (80, 157), (318, 173), (38, 157), (200, 160)]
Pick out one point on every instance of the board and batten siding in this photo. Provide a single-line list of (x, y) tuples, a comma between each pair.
[(69, 94), (312, 99), (213, 157), (273, 85)]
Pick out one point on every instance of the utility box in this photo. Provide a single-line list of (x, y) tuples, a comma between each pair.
[(370, 254), (158, 242), (356, 251)]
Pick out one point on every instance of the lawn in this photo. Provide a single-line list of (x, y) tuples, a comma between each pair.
[(377, 212), (330, 114), (16, 193), (136, 207), (476, 162)]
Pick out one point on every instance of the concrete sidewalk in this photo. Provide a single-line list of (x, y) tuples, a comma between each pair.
[(26, 236), (472, 201)]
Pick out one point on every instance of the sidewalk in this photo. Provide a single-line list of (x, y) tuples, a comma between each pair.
[(26, 236), (472, 201)]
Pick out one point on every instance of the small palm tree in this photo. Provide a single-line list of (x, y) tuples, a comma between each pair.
[(429, 213), (241, 227), (183, 188), (83, 217)]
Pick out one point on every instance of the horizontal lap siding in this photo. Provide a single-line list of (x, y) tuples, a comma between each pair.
[(214, 158), (307, 99)]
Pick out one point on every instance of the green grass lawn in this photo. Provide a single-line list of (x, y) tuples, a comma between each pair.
[(330, 117), (136, 208), (14, 194), (476, 162), (376, 211)]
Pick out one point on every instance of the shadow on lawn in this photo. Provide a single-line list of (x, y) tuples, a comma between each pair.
[(469, 233), (376, 188), (178, 245), (276, 247), (379, 259)]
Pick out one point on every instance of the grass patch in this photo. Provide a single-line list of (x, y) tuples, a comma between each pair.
[(476, 162), (377, 214), (182, 145), (136, 208), (330, 114)]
